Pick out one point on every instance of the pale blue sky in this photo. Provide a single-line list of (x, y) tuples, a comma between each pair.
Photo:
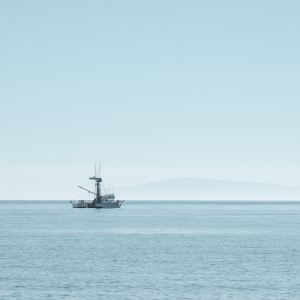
[(151, 89)]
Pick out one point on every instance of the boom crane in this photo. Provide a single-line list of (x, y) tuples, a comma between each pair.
[(87, 190)]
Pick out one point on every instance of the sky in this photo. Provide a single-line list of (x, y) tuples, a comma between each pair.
[(152, 90)]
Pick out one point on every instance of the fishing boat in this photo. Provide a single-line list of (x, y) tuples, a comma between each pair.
[(100, 201)]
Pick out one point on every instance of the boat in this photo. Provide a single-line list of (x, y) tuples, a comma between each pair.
[(100, 201)]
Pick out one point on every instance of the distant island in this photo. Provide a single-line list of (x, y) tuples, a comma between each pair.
[(206, 189)]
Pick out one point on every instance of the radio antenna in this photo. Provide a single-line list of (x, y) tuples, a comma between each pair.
[(99, 169)]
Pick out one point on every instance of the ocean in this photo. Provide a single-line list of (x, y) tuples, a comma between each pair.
[(150, 250)]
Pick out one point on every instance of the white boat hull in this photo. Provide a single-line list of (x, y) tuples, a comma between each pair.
[(79, 205), (109, 204)]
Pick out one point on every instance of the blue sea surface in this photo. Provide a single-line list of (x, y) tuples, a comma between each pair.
[(150, 250)]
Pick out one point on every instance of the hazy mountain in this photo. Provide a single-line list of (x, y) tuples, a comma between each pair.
[(206, 189)]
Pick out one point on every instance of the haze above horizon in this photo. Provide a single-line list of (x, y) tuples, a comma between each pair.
[(151, 89)]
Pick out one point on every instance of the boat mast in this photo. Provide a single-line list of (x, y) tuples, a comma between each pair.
[(98, 181)]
